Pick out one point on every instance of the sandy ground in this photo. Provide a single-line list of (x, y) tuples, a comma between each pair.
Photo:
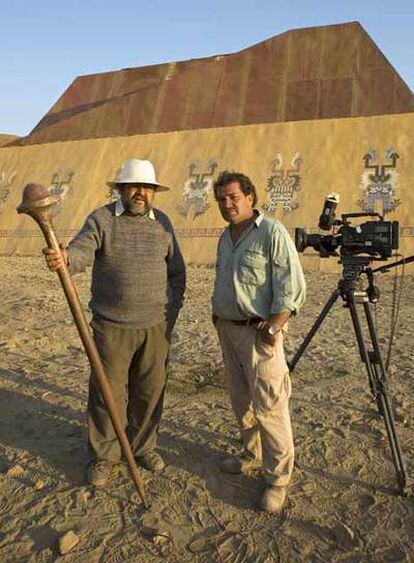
[(343, 503)]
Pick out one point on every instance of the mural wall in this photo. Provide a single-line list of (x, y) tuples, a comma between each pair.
[(367, 160)]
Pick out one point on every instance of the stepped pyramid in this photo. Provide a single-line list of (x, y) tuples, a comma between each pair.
[(304, 74)]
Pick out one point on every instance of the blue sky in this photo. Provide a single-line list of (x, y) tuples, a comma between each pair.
[(44, 45)]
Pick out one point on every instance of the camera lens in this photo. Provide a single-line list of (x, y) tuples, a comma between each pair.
[(300, 239)]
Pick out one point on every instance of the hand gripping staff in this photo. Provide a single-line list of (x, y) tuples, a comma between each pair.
[(38, 203)]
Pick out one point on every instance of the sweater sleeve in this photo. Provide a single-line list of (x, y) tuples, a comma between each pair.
[(176, 280), (175, 272), (81, 250)]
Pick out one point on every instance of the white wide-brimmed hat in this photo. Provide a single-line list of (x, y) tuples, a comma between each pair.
[(136, 171)]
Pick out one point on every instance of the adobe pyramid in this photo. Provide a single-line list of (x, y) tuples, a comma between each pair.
[(304, 74)]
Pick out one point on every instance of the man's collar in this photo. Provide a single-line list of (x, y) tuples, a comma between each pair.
[(259, 217), (120, 209)]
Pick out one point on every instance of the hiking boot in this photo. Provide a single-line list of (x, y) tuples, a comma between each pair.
[(237, 465), (151, 460), (273, 498), (101, 472)]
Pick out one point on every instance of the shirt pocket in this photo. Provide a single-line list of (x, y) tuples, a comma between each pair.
[(253, 268)]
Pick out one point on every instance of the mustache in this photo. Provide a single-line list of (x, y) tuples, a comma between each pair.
[(133, 200)]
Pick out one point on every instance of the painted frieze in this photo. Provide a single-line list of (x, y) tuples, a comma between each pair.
[(282, 185), (379, 183), (6, 181), (60, 186), (197, 189)]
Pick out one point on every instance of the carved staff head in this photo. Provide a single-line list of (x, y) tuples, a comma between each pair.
[(37, 202)]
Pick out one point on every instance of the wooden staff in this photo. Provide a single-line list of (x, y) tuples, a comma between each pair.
[(38, 203)]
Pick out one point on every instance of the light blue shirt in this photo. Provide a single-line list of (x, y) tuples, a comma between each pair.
[(260, 275)]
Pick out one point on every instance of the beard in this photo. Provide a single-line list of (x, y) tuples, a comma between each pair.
[(134, 209), (138, 209)]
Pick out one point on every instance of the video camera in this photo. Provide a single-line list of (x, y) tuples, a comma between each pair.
[(376, 239)]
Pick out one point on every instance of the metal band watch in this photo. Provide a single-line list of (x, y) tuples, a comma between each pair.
[(274, 329)]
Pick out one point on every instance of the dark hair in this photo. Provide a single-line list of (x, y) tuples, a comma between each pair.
[(246, 185)]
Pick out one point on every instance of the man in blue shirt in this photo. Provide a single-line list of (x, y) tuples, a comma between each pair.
[(259, 285)]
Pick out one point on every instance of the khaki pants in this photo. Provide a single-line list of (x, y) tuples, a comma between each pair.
[(134, 362), (260, 388)]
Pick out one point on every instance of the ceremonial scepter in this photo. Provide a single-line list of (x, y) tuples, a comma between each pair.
[(38, 203)]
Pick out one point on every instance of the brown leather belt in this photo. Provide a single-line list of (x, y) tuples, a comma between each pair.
[(254, 321)]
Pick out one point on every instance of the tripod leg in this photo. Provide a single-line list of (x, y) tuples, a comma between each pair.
[(377, 385), (384, 405), (334, 296)]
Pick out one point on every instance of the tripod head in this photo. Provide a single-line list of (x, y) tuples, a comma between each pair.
[(355, 266)]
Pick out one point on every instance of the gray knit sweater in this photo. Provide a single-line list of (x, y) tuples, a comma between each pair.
[(138, 274)]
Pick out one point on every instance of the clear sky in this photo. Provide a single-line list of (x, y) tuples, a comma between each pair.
[(45, 44)]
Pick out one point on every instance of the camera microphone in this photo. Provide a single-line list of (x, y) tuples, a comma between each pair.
[(327, 218)]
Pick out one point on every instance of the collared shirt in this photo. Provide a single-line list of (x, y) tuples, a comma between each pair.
[(260, 275), (120, 208)]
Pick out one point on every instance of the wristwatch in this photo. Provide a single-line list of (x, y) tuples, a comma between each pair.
[(273, 329)]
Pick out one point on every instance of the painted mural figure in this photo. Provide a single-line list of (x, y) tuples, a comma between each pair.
[(197, 190), (138, 283), (60, 186), (6, 182), (379, 182), (259, 285), (282, 185)]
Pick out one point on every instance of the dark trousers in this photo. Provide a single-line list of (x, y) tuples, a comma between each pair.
[(134, 362)]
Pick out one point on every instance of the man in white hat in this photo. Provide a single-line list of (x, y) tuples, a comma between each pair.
[(138, 283)]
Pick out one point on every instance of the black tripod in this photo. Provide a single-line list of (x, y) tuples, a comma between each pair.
[(352, 296)]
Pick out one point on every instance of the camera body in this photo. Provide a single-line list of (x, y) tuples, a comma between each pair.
[(376, 239)]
